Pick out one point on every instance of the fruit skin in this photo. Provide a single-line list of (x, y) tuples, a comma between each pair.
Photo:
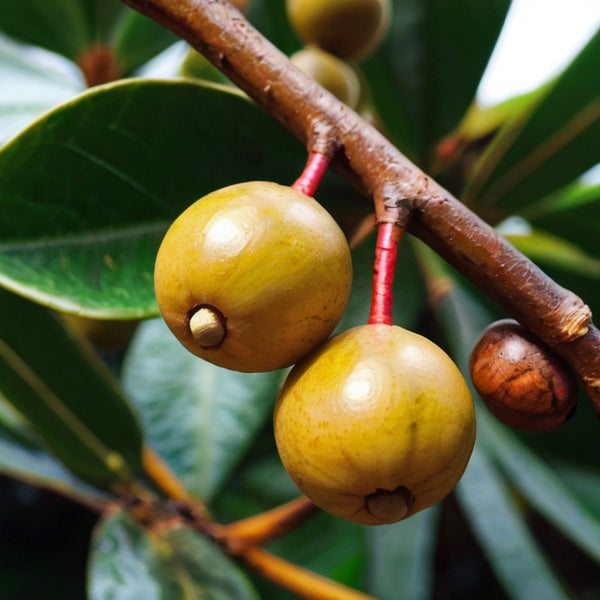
[(271, 260), (335, 75), (349, 29), (377, 411), (522, 381)]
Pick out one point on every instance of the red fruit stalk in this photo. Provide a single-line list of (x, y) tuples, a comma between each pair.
[(386, 252), (315, 168)]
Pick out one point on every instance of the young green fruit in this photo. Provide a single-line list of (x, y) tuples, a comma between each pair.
[(253, 276), (349, 29), (523, 382), (375, 425), (335, 75)]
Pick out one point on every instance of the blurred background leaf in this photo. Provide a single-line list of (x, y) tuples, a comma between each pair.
[(167, 563), (425, 75), (216, 413), (66, 394), (548, 146)]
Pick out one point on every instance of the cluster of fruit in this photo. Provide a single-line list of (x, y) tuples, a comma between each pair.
[(373, 424), (338, 35)]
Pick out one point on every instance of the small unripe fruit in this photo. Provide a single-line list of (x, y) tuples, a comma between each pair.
[(253, 276), (522, 381), (335, 75), (375, 425), (349, 29)]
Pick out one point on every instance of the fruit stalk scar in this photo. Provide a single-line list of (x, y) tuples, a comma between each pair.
[(386, 504), (315, 168), (206, 325), (386, 252)]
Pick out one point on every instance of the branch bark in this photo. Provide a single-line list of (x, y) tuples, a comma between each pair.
[(401, 192)]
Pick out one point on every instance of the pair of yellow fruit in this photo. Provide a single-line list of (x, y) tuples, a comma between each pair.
[(373, 424)]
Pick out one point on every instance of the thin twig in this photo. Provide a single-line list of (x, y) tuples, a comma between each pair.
[(297, 580)]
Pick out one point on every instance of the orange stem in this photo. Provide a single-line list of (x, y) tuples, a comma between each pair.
[(265, 526), (300, 581), (161, 474)]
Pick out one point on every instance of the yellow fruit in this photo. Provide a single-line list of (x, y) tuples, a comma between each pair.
[(349, 29), (253, 276), (522, 381), (375, 425), (333, 74)]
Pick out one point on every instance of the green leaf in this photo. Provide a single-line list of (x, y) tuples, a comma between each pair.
[(142, 151), (66, 394), (541, 487), (401, 557), (572, 213), (551, 143), (128, 561), (66, 29), (136, 39), (484, 495), (35, 87), (23, 457), (427, 72), (501, 530), (546, 249), (200, 418)]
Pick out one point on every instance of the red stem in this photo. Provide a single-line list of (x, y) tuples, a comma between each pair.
[(315, 168), (386, 252)]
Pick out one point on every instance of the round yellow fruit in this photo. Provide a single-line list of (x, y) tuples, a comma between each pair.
[(335, 75), (349, 29), (253, 276), (375, 425)]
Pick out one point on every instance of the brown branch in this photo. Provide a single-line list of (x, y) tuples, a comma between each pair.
[(400, 190)]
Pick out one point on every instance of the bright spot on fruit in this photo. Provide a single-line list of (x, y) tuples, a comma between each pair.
[(361, 390), (226, 236)]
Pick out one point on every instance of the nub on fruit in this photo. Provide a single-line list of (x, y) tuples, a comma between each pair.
[(253, 276), (375, 425), (521, 380)]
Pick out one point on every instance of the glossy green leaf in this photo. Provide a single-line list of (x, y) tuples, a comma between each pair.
[(35, 87), (427, 72), (550, 145), (142, 151), (66, 394), (541, 487), (128, 561), (401, 557), (200, 418)]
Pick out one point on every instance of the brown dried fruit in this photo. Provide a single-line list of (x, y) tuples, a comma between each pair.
[(522, 381)]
